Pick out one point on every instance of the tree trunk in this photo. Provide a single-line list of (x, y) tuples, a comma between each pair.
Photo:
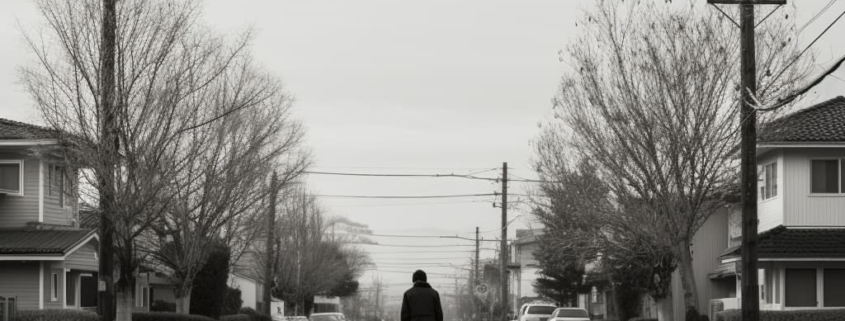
[(685, 269), (665, 310), (125, 303), (183, 303)]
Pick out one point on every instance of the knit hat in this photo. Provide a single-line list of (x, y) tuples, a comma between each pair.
[(419, 275)]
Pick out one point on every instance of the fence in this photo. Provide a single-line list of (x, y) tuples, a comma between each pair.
[(8, 308)]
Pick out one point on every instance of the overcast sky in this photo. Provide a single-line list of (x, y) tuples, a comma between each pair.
[(394, 86)]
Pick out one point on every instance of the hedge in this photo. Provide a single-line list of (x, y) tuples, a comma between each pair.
[(254, 315), (797, 315), (56, 315), (168, 316), (235, 317), (642, 319), (163, 306)]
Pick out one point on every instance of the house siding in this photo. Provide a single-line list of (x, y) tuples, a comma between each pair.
[(54, 211), (802, 208), (49, 269), (770, 211), (20, 279), (16, 211), (84, 258), (707, 244)]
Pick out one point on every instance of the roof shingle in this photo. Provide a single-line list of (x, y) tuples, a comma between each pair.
[(10, 129), (824, 122), (41, 241), (782, 242)]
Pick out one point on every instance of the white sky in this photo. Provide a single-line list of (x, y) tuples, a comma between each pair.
[(393, 86)]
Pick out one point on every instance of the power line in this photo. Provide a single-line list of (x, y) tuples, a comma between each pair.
[(404, 196), (789, 98), (411, 245), (467, 176)]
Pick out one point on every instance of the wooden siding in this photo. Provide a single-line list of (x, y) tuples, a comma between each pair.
[(709, 242), (800, 207), (54, 212), (770, 211), (16, 211), (49, 269), (20, 279), (84, 258)]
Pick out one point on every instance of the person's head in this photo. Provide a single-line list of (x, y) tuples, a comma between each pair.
[(419, 276)]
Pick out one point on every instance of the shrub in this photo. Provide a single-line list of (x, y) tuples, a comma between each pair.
[(798, 315), (163, 306), (168, 316), (642, 319), (209, 290), (235, 317), (233, 302), (56, 315), (254, 315)]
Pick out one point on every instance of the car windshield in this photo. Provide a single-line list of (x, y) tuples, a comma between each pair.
[(540, 309), (572, 313), (324, 317)]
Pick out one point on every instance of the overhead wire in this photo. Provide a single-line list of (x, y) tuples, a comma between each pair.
[(792, 96), (404, 196)]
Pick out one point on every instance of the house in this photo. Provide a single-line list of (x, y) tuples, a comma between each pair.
[(801, 212), (46, 260)]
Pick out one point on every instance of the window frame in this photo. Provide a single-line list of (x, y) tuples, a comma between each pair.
[(54, 287), (763, 189), (840, 190), (20, 163)]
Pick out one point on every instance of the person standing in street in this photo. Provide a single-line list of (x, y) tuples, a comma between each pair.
[(421, 302)]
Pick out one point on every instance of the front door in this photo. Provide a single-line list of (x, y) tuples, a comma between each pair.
[(88, 290)]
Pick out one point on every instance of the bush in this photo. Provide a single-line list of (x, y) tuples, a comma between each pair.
[(209, 290), (235, 317), (168, 316), (232, 303), (642, 319), (163, 306), (254, 315), (799, 315), (56, 315)]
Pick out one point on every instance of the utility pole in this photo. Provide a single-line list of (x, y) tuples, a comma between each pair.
[(748, 149), (108, 160), (477, 274), (748, 122), (271, 239), (503, 252)]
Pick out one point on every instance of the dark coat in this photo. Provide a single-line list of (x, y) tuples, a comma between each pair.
[(421, 303)]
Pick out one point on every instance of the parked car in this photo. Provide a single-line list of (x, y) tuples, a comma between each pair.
[(536, 311), (570, 314), (329, 316)]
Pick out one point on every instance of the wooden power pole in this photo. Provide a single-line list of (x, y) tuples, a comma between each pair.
[(503, 251), (748, 122), (748, 149), (271, 239), (476, 274), (106, 307)]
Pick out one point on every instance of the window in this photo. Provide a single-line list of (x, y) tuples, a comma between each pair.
[(826, 176), (54, 287), (801, 288), (11, 177), (770, 181), (58, 184), (834, 287), (142, 297)]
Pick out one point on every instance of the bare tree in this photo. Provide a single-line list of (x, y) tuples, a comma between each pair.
[(651, 100), (167, 69), (225, 170)]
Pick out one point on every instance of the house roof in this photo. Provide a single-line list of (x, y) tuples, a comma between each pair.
[(824, 122), (782, 242), (38, 241), (10, 129)]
